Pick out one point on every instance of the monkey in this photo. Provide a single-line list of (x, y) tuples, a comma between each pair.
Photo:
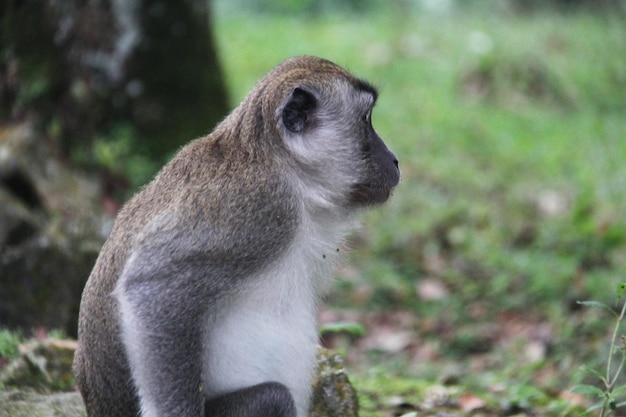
[(203, 299)]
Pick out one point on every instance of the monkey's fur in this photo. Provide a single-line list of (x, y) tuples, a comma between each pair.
[(203, 299)]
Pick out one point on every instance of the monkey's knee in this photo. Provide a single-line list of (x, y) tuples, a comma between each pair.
[(269, 399)]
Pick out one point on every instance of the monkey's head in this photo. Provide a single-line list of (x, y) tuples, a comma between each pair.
[(320, 115)]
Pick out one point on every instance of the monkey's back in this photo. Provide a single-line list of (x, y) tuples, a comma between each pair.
[(100, 365)]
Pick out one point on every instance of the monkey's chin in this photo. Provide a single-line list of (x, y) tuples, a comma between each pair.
[(370, 194)]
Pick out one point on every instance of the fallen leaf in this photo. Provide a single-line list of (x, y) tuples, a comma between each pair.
[(469, 402), (431, 289), (573, 398)]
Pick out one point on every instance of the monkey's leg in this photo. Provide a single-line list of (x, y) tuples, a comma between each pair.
[(269, 399)]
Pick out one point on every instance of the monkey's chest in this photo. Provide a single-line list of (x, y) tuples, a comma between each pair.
[(266, 333)]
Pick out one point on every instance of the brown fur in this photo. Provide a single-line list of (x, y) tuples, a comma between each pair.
[(225, 200)]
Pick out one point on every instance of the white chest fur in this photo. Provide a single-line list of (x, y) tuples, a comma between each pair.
[(268, 331)]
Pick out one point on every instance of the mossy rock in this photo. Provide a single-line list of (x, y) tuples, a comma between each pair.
[(46, 367)]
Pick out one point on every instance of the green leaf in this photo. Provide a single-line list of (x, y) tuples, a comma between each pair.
[(620, 404), (595, 407), (597, 304), (353, 329), (588, 389), (620, 289), (593, 304), (619, 390), (586, 369)]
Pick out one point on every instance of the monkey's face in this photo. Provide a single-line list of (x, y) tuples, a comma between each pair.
[(380, 169), (327, 127)]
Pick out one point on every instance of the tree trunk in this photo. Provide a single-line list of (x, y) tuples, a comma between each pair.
[(81, 68)]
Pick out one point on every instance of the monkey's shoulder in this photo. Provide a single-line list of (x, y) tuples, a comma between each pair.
[(213, 223)]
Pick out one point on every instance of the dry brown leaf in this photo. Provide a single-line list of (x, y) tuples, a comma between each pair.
[(469, 402)]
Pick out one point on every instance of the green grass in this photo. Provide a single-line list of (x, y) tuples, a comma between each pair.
[(9, 344), (550, 119), (485, 138)]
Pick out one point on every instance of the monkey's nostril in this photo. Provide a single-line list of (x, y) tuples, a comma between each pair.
[(395, 162)]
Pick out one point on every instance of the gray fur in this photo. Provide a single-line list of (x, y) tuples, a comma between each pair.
[(203, 299)]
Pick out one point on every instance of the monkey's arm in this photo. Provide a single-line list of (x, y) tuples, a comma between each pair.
[(170, 293), (160, 315)]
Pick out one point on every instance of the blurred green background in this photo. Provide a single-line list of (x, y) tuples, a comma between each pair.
[(509, 122)]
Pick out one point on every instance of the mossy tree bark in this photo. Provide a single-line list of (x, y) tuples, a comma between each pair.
[(80, 68)]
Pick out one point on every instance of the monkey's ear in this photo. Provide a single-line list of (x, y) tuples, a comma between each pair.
[(298, 109)]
